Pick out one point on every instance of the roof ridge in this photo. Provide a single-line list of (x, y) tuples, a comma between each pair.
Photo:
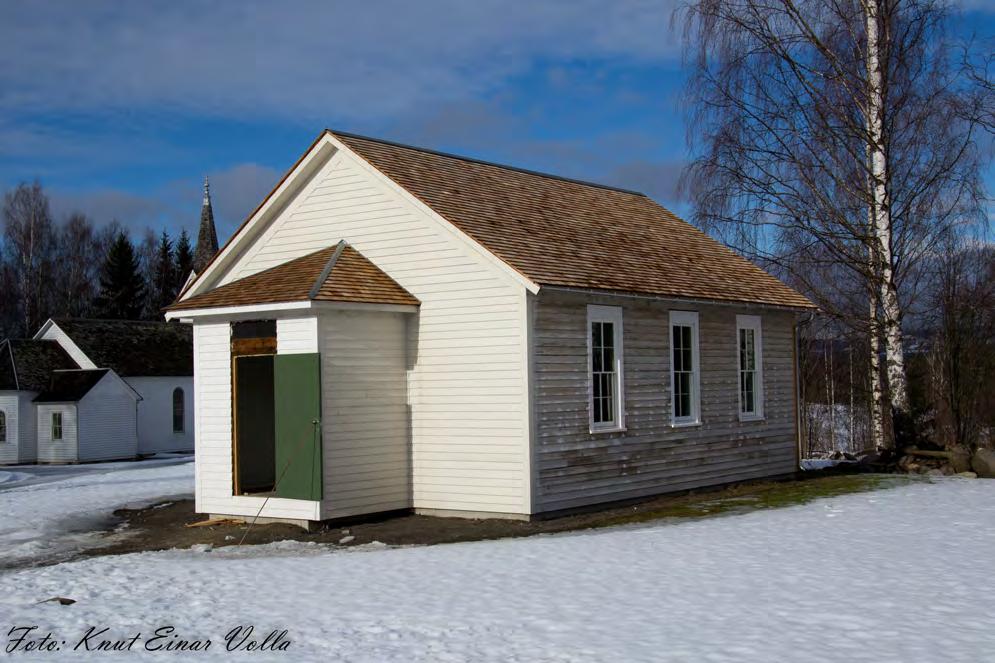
[(484, 162), (326, 271), (119, 320), (13, 363)]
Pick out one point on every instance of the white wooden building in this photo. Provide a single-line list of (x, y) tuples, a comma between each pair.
[(400, 329), (87, 415), (154, 358), (26, 368)]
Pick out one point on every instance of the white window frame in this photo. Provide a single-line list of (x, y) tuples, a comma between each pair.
[(62, 423), (685, 319), (612, 314), (752, 322)]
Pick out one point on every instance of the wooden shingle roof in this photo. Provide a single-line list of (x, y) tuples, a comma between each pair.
[(27, 364), (335, 274), (563, 232), (70, 386), (133, 347)]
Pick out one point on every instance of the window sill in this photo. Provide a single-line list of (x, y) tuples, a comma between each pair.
[(748, 418), (685, 424), (613, 429)]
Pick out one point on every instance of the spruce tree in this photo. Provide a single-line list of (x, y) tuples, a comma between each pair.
[(163, 277), (184, 260), (121, 288)]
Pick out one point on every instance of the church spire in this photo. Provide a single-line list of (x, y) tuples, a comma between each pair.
[(207, 237)]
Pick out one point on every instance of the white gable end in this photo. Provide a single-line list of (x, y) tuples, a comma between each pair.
[(52, 332), (467, 365)]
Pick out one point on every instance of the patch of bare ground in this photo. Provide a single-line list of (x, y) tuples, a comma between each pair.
[(172, 524)]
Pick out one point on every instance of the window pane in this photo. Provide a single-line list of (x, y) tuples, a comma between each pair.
[(748, 376), (603, 372)]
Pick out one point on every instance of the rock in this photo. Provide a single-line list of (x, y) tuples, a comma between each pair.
[(61, 600), (983, 463), (934, 472), (960, 459), (870, 459), (967, 475), (346, 539)]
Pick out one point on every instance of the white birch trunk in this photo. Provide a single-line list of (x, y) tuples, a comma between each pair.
[(877, 389), (891, 312)]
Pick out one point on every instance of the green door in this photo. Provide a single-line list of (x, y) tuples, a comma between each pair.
[(297, 397)]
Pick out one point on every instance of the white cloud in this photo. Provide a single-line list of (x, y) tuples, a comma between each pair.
[(235, 192), (306, 61)]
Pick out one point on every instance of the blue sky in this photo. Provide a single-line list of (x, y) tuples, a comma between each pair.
[(120, 109)]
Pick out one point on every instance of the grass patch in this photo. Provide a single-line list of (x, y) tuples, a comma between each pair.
[(768, 495)]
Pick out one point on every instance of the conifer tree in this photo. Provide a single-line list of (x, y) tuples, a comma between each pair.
[(121, 288), (163, 278), (184, 260)]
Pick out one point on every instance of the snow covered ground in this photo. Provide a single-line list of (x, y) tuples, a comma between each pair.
[(49, 511), (893, 575)]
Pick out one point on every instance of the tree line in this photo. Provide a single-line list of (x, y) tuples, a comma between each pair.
[(70, 267), (841, 145)]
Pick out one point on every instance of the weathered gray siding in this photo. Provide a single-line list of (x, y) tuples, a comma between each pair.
[(575, 467)]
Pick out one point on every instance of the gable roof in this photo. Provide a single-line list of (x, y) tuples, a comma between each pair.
[(562, 232), (27, 364), (338, 273), (133, 347), (70, 386)]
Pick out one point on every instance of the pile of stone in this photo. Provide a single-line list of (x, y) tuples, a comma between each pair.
[(955, 460)]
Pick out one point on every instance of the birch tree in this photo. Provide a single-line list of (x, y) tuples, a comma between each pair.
[(78, 259), (826, 139), (29, 241)]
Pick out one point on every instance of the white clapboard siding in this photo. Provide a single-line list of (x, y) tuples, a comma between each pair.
[(212, 402), (57, 451), (466, 350), (107, 425), (10, 446), (27, 427), (297, 335), (577, 468), (365, 432), (155, 413)]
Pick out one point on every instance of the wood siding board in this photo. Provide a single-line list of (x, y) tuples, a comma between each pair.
[(577, 468)]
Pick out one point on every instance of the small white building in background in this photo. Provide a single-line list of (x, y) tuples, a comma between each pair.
[(87, 415), (155, 359), (84, 390), (26, 368)]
